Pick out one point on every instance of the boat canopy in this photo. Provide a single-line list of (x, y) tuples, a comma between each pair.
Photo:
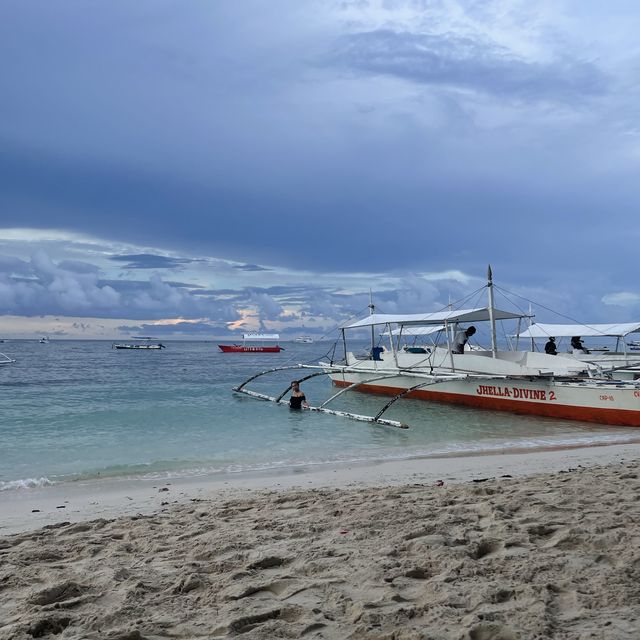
[(415, 331), (438, 317), (540, 330), (260, 336)]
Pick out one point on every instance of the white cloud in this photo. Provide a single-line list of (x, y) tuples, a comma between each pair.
[(622, 299)]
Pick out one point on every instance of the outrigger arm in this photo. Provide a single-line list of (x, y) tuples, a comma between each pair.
[(321, 409)]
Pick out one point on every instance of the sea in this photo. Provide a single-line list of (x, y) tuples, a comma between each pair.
[(80, 410)]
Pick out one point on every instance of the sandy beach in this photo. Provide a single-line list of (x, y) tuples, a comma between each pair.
[(542, 545)]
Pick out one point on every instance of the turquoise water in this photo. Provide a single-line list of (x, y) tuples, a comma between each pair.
[(79, 409)]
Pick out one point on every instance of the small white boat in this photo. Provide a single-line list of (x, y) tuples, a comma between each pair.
[(44, 340), (304, 340), (142, 343)]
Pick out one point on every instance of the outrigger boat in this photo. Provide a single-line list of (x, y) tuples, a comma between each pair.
[(256, 348), (144, 342), (524, 382)]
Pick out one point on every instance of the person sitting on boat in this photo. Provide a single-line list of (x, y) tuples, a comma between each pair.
[(576, 343), (550, 347), (461, 339), (297, 400)]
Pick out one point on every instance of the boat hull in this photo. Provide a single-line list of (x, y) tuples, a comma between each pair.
[(138, 346), (238, 348), (605, 402)]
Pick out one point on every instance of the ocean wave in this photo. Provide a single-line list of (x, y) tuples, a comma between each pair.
[(27, 483)]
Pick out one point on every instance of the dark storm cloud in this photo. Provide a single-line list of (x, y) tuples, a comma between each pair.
[(49, 288), (456, 61), (149, 261), (250, 267), (284, 138), (129, 286), (78, 266), (10, 265), (179, 329)]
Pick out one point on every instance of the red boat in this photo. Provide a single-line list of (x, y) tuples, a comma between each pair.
[(261, 348), (241, 348)]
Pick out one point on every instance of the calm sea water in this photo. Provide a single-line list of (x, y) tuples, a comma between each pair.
[(78, 409)]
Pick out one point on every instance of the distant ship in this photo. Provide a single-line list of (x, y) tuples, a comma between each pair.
[(143, 342), (258, 348), (304, 339)]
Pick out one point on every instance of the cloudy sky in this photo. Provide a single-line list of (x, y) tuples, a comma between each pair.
[(188, 168)]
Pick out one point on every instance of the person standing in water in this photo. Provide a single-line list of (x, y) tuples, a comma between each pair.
[(297, 400)]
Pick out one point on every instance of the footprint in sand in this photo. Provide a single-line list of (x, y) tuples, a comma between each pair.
[(59, 593), (491, 631)]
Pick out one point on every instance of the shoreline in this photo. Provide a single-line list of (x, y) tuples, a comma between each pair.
[(507, 546), (27, 509)]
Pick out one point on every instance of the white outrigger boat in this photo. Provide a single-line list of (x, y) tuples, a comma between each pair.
[(524, 382)]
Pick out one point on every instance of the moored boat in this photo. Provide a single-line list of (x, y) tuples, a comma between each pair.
[(525, 382), (253, 348), (142, 342)]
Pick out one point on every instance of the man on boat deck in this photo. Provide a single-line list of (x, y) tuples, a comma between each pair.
[(576, 343), (461, 339), (297, 400), (550, 347)]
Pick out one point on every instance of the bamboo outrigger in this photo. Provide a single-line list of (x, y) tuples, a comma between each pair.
[(322, 371)]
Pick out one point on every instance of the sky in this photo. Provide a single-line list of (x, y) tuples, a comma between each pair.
[(193, 169)]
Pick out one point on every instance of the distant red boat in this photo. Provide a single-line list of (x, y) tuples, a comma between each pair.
[(259, 348), (241, 348)]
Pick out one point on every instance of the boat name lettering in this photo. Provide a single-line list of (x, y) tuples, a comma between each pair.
[(513, 392), (608, 397), (636, 394)]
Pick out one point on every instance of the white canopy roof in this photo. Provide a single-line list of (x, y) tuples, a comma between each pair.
[(541, 330), (439, 317), (416, 331), (260, 336)]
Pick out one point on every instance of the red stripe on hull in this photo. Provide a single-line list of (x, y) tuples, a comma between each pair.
[(619, 417), (227, 348)]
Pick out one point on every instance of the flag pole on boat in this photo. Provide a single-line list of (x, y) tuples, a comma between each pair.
[(372, 309)]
